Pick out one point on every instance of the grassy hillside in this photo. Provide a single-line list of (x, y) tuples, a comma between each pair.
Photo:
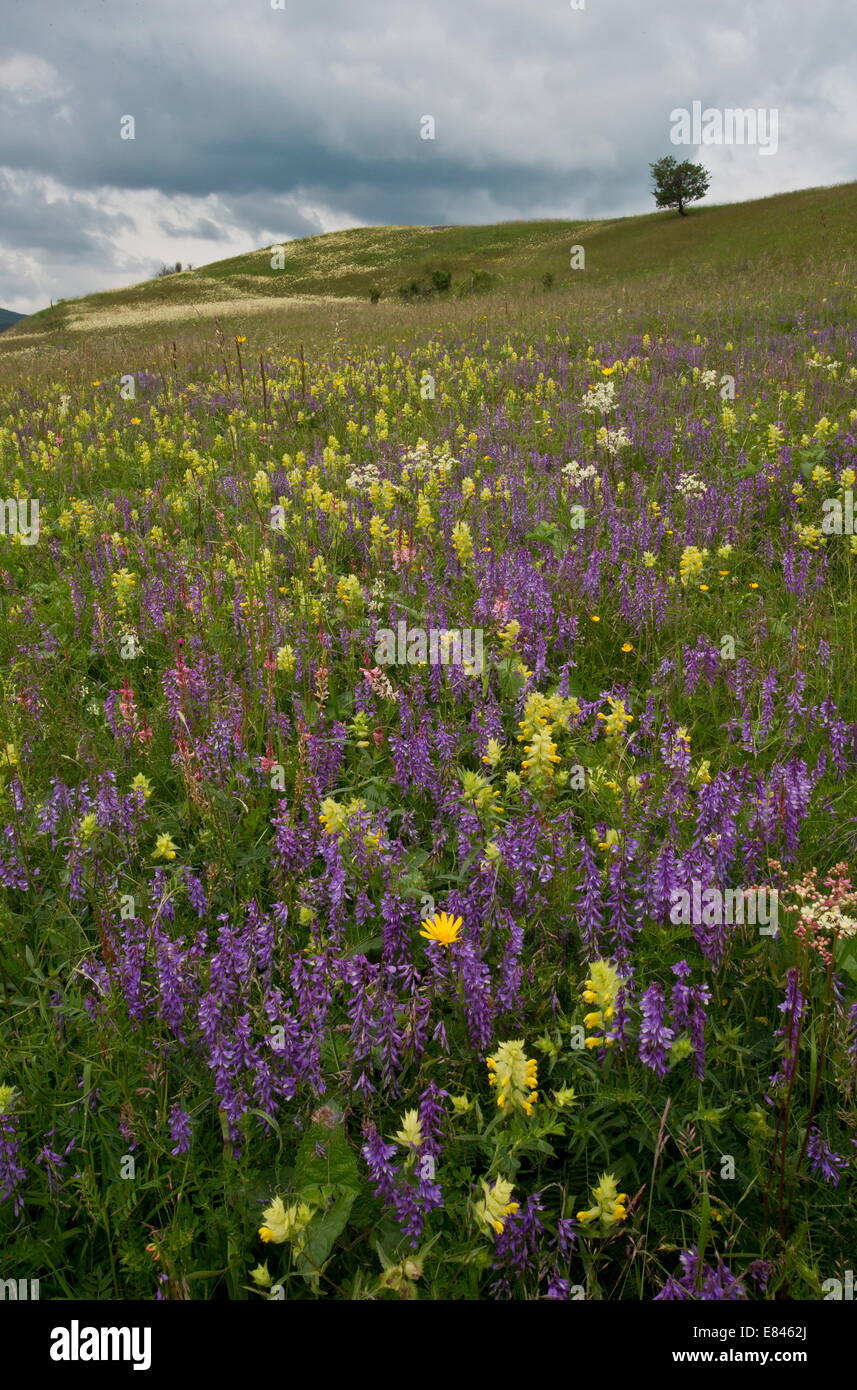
[(327, 276)]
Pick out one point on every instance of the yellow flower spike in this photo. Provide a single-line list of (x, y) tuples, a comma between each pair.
[(516, 1076), (410, 1135), (495, 1205), (283, 1223), (601, 988), (609, 1207)]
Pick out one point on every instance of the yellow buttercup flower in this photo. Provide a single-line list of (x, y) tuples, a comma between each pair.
[(442, 928)]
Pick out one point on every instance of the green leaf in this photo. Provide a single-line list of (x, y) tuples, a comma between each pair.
[(321, 1235), (332, 1163), (846, 955)]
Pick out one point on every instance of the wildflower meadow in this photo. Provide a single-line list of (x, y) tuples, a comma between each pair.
[(428, 808)]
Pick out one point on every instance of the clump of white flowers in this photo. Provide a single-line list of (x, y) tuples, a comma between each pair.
[(599, 397), (708, 379), (363, 478), (577, 474), (425, 461), (613, 440), (690, 485)]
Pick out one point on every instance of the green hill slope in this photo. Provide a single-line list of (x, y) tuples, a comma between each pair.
[(782, 234)]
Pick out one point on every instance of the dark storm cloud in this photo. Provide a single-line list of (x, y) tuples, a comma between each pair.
[(31, 216), (252, 121)]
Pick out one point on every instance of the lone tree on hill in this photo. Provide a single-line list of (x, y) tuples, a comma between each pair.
[(677, 184)]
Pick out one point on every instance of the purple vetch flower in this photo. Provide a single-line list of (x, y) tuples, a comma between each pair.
[(180, 1132), (360, 977), (687, 1012), (517, 1246), (590, 912), (793, 1007), (12, 871), (196, 893), (624, 997), (760, 1271), (378, 1159), (11, 1172), (508, 997), (681, 999), (701, 1281), (697, 1030), (852, 1033), (389, 1037), (565, 1239), (53, 1162), (397, 924), (476, 988), (822, 1159), (624, 920), (432, 1118), (655, 1036), (662, 883), (410, 1193), (559, 1289)]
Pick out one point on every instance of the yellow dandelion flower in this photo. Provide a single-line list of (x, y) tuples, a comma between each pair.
[(442, 928)]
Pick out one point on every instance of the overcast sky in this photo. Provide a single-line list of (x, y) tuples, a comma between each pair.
[(254, 124)]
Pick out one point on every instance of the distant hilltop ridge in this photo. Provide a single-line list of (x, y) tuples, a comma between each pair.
[(8, 317)]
